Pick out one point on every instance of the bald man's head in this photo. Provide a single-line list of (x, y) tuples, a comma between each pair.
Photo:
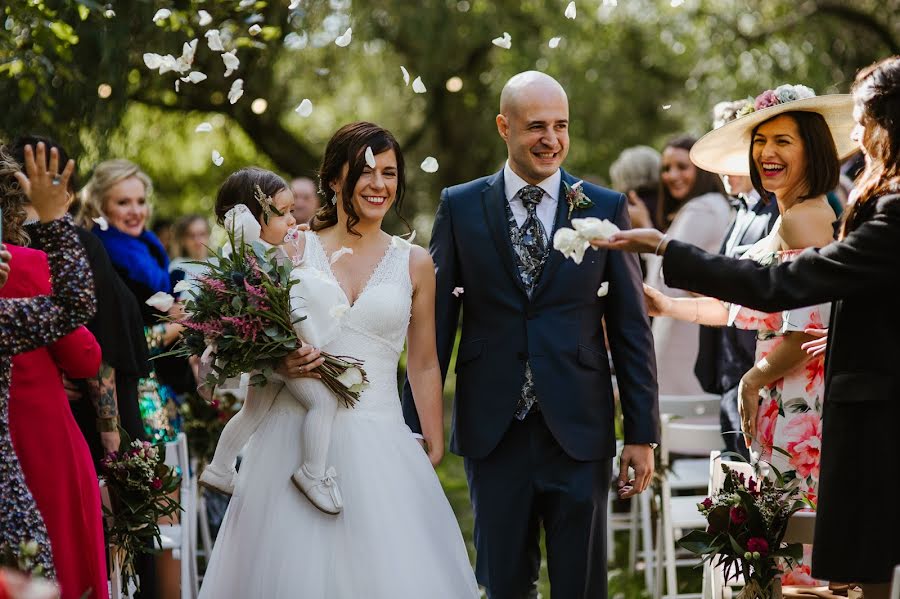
[(534, 123)]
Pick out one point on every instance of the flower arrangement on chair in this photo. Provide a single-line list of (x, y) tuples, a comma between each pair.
[(747, 520)]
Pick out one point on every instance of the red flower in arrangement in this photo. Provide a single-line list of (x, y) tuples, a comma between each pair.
[(758, 545), (738, 515), (707, 503), (156, 483), (804, 435)]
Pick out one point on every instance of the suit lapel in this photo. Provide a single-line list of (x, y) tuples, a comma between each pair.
[(555, 259), (493, 200)]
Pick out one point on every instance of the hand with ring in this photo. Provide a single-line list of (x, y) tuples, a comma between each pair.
[(301, 363), (44, 185)]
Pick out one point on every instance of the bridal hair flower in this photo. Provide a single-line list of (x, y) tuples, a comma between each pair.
[(267, 203)]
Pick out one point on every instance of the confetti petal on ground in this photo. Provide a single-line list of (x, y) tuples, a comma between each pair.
[(254, 30), (236, 91), (217, 158), (344, 40), (162, 13), (604, 289), (554, 42), (214, 41), (203, 127), (101, 222), (370, 157), (570, 10), (232, 62), (161, 301), (418, 86), (305, 108), (405, 75), (205, 18), (458, 291), (504, 42), (430, 165)]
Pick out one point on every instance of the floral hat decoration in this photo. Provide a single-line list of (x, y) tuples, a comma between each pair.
[(725, 150)]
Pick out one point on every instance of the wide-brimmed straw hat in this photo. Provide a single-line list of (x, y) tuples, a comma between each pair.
[(726, 150)]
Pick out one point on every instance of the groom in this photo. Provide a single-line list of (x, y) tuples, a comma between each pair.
[(534, 408)]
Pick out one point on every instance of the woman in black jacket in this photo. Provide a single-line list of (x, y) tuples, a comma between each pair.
[(856, 527)]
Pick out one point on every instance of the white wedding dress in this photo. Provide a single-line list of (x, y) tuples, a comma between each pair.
[(397, 537)]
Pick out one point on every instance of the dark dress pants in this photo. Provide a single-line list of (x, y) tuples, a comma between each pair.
[(529, 481)]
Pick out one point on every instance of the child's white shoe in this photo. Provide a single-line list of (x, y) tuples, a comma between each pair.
[(323, 492), (217, 480)]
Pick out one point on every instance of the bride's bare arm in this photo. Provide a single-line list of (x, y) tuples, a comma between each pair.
[(422, 365), (703, 310)]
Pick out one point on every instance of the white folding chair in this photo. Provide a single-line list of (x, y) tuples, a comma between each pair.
[(680, 513), (704, 406), (181, 538), (895, 586)]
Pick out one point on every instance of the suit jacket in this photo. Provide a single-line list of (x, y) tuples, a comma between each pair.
[(558, 331), (860, 444)]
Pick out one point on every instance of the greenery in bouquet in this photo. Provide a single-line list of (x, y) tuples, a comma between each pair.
[(140, 486), (239, 319), (747, 520), (203, 421)]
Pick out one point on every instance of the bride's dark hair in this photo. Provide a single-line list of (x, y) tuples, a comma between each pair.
[(348, 146)]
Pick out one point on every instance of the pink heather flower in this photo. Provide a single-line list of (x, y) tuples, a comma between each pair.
[(215, 285), (804, 443), (758, 544), (765, 100), (245, 326), (738, 516), (156, 484)]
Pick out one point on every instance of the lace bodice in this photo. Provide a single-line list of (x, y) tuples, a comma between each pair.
[(373, 329)]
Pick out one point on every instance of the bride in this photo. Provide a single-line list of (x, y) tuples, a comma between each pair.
[(397, 537)]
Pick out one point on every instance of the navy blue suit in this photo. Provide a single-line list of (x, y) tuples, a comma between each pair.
[(554, 466)]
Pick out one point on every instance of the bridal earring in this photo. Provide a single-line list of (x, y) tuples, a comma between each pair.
[(334, 200)]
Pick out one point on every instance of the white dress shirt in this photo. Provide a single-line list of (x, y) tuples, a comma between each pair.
[(546, 210)]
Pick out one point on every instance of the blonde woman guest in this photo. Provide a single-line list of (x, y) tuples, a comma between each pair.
[(692, 208)]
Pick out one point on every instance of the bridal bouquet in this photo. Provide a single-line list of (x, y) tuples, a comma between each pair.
[(747, 520), (140, 488), (242, 316)]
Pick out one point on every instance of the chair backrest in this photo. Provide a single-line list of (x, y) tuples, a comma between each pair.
[(689, 438), (801, 528), (690, 406), (717, 475), (895, 586)]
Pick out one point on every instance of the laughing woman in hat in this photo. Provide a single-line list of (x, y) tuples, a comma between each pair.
[(860, 274)]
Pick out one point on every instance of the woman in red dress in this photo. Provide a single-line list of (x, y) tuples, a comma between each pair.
[(54, 456)]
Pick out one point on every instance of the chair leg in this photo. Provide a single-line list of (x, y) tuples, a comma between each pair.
[(660, 559), (646, 512), (634, 512)]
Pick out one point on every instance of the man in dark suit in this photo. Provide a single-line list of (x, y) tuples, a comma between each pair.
[(534, 407)]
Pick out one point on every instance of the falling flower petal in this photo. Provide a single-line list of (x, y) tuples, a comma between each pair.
[(194, 77), (405, 75), (666, 106), (214, 41), (169, 63), (604, 289), (162, 13), (231, 63), (554, 42), (344, 40), (305, 108), (294, 4), (341, 252), (254, 29), (504, 42), (246, 3), (101, 222), (370, 157), (430, 165), (236, 91), (676, 3), (182, 285), (593, 228), (187, 55), (418, 86), (570, 243), (153, 61), (205, 18), (457, 291), (161, 301), (203, 127), (570, 10), (217, 158), (177, 85), (610, 3)]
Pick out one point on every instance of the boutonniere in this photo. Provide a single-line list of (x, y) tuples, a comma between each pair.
[(575, 197)]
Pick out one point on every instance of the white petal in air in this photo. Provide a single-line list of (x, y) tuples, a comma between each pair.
[(203, 128), (370, 157), (101, 222), (236, 91), (214, 41), (205, 18), (504, 42), (430, 165), (554, 42), (344, 40), (457, 291), (341, 252), (604, 289), (666, 106), (570, 10), (593, 228), (194, 77), (405, 75), (305, 108), (254, 29), (570, 243), (168, 63), (177, 85), (246, 3), (187, 54), (153, 61), (418, 86), (217, 158), (162, 13), (294, 4), (231, 63), (161, 301)]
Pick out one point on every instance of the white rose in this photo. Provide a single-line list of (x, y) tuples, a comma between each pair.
[(351, 377), (245, 226), (593, 228), (570, 243)]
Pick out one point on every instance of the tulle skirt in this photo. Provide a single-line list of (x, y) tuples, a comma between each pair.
[(396, 538)]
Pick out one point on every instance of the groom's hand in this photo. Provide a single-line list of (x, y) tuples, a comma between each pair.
[(640, 458)]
